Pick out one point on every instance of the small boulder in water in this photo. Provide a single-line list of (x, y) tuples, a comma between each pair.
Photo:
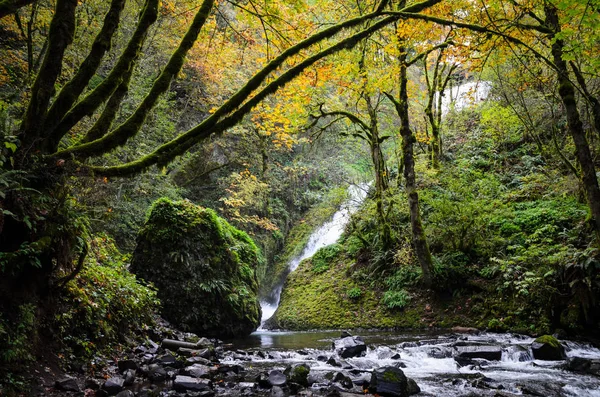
[(491, 353), (350, 346), (277, 378), (548, 348), (391, 382), (187, 383), (299, 374), (584, 365)]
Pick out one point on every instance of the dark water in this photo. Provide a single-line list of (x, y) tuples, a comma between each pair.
[(429, 359)]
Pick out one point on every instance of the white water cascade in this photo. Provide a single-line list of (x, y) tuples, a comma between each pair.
[(327, 234), (465, 95)]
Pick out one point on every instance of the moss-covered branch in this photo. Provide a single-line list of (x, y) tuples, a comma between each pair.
[(88, 105), (73, 89), (104, 122), (132, 125), (181, 144), (60, 35)]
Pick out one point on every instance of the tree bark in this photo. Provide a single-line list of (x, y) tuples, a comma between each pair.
[(60, 36), (566, 91)]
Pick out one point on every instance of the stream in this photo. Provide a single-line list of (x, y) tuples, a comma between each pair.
[(426, 357)]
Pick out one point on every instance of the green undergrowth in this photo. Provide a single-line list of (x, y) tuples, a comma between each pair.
[(104, 303), (299, 235)]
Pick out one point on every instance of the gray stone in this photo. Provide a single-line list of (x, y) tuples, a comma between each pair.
[(67, 384), (187, 383), (277, 378), (491, 353), (126, 393), (156, 373), (124, 365), (391, 382), (113, 385), (198, 371), (277, 391), (129, 377), (350, 346)]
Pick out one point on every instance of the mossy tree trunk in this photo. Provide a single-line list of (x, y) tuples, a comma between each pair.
[(566, 91), (408, 140)]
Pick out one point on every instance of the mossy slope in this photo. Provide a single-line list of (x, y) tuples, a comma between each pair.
[(204, 269)]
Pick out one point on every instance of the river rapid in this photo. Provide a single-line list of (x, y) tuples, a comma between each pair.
[(426, 357)]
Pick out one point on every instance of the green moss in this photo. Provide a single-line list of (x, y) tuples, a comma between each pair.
[(390, 376), (204, 269), (549, 340)]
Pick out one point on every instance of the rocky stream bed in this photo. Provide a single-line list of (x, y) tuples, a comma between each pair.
[(329, 364)]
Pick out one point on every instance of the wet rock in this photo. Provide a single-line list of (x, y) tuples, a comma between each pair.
[(412, 387), (345, 334), (277, 378), (396, 356), (187, 383), (584, 365), (204, 353), (197, 360), (321, 357), (439, 352), (91, 384), (390, 382), (198, 371), (491, 353), (277, 391), (333, 362), (547, 347), (67, 384), (126, 393), (113, 385), (350, 346), (544, 389), (465, 330), (167, 359), (299, 374), (156, 373), (124, 365), (129, 377), (343, 380)]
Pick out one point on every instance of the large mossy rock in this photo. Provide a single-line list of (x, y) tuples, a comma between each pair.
[(204, 269), (547, 347)]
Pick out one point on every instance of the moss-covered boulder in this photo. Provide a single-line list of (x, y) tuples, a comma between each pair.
[(204, 269), (547, 347)]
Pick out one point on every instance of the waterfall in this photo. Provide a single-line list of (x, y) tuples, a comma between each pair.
[(327, 234)]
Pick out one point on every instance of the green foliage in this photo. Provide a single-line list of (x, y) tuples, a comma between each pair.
[(405, 276), (104, 302), (17, 335), (396, 299), (322, 259), (354, 293)]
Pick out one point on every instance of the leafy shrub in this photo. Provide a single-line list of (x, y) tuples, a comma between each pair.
[(354, 293), (104, 302), (323, 257), (16, 336), (396, 299), (405, 276)]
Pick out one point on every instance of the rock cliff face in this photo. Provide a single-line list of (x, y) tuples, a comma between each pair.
[(204, 269)]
